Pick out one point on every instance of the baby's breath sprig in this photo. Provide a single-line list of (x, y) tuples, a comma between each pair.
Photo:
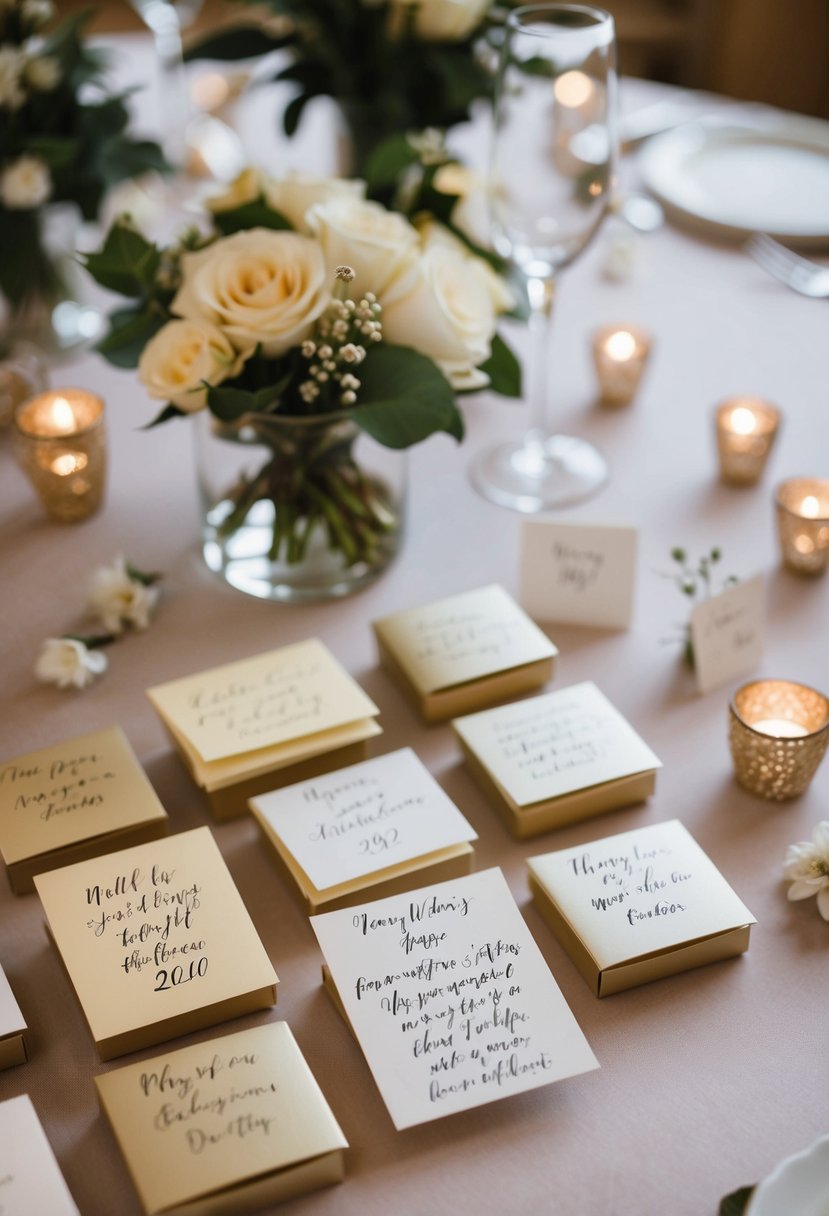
[(695, 579), (339, 346)]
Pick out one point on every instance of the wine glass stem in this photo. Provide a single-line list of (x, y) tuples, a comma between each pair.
[(540, 291)]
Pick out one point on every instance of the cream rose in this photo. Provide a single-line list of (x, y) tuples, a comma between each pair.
[(441, 20), (258, 287), (449, 315), (379, 245), (432, 233), (246, 188), (295, 194), (25, 183), (181, 357)]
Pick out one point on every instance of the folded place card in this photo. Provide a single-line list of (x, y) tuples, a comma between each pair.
[(557, 758), (156, 941), (31, 1183), (727, 634), (464, 652), (249, 726), (449, 998), (72, 801), (12, 1030), (226, 1126), (638, 906), (578, 574), (363, 832)]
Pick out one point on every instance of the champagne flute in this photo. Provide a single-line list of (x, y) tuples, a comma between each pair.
[(166, 19), (550, 180)]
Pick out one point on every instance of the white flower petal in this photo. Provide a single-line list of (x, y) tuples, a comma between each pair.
[(820, 836), (823, 902), (803, 888)]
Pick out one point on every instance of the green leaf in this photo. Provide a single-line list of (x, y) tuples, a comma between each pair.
[(736, 1203), (228, 404), (239, 42), (127, 263), (388, 160), (503, 369), (293, 113), (404, 398), (130, 329), (55, 150), (169, 411), (257, 214)]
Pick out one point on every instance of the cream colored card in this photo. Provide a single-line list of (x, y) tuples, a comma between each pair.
[(463, 638), (31, 1183), (71, 792), (727, 634), (154, 933), (579, 574), (551, 745), (640, 892), (216, 1115), (274, 698), (358, 820), (450, 998), (11, 1019)]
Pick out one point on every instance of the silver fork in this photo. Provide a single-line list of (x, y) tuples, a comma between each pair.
[(796, 272)]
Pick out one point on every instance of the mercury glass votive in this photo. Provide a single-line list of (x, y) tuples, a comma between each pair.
[(60, 443), (746, 430), (803, 523), (778, 733), (620, 354), (23, 372)]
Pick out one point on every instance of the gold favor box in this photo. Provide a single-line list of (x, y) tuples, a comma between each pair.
[(464, 652), (247, 727), (639, 906), (156, 942), (71, 801), (556, 759), (12, 1028), (263, 1134)]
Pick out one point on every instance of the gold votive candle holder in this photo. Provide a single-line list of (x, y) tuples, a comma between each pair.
[(746, 430), (22, 374), (803, 523), (60, 443), (620, 354), (778, 732)]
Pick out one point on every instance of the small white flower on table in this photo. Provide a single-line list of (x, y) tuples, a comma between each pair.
[(69, 663), (120, 595), (807, 868)]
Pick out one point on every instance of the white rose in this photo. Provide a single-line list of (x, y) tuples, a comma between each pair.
[(68, 663), (12, 63), (43, 73), (379, 245), (258, 287), (441, 20), (449, 315), (118, 600), (177, 361), (432, 233), (247, 188), (295, 194), (25, 184), (471, 212)]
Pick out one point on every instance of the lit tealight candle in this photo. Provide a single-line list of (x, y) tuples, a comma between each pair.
[(746, 430), (780, 728), (803, 524), (60, 444), (778, 732), (620, 354)]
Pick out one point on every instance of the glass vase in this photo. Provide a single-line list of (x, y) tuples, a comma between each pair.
[(298, 508)]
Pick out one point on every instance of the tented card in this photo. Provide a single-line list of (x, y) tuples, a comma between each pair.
[(727, 634), (579, 574), (450, 998), (12, 1029), (31, 1183)]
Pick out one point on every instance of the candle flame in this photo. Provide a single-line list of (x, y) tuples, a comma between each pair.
[(743, 420), (574, 89), (63, 416), (810, 507), (621, 345)]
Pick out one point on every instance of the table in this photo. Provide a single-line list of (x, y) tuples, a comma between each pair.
[(707, 1078)]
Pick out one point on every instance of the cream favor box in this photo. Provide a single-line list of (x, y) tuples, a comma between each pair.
[(12, 1030), (31, 1183)]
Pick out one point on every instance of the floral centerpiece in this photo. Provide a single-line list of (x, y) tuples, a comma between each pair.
[(392, 66), (305, 318), (62, 140)]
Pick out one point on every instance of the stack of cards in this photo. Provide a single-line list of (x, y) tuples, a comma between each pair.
[(226, 1126), (247, 727), (638, 906), (156, 941), (364, 832), (558, 758), (449, 998), (12, 1030), (464, 652), (31, 1183), (72, 801)]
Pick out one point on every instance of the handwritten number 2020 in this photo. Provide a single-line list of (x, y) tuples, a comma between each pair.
[(165, 980)]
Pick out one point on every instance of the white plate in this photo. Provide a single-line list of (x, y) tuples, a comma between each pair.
[(798, 1187), (738, 179)]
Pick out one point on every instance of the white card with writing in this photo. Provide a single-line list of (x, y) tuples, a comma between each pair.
[(640, 892), (727, 633), (11, 1019), (450, 998), (31, 1183), (578, 574), (555, 744), (352, 822)]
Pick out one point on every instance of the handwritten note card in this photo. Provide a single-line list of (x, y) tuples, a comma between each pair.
[(11, 1019), (353, 822), (156, 941), (31, 1183), (579, 574), (87, 788), (205, 1120), (550, 745), (727, 634), (450, 998)]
